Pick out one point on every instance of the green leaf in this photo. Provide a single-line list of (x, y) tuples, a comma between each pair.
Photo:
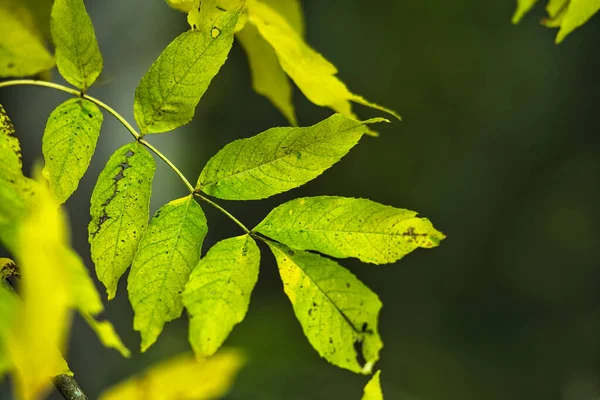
[(268, 79), (523, 6), (279, 159), (22, 51), (168, 252), (346, 227), (68, 144), (338, 313), (10, 149), (578, 13), (168, 94), (218, 292), (77, 54), (16, 191), (119, 212), (311, 72), (373, 388)]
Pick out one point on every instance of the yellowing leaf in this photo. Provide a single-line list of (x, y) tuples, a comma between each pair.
[(218, 292), (291, 11), (44, 316), (77, 54), (577, 14), (120, 208), (168, 94), (68, 144), (313, 74), (523, 6), (181, 5), (338, 313), (181, 377), (8, 307), (279, 159), (373, 388), (16, 191), (87, 300), (168, 252), (268, 79), (345, 227), (22, 51), (107, 335)]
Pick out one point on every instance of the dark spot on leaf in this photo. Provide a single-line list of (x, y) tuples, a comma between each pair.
[(129, 153), (358, 348)]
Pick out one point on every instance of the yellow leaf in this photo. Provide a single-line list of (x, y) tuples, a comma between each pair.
[(311, 72), (181, 377), (578, 13), (373, 388), (523, 6), (40, 331)]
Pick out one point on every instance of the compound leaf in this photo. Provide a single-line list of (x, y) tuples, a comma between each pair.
[(338, 313), (181, 377), (77, 54), (218, 292), (373, 388), (311, 72), (10, 149), (346, 227), (68, 144), (119, 212), (168, 94), (168, 251), (279, 159), (22, 50)]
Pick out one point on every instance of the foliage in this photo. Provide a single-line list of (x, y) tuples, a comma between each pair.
[(567, 15), (337, 312)]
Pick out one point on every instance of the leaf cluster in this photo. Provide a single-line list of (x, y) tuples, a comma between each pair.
[(168, 273)]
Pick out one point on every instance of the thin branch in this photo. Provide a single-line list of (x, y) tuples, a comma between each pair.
[(68, 387), (224, 211), (169, 163)]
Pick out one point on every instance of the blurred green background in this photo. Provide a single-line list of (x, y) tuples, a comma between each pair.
[(499, 147)]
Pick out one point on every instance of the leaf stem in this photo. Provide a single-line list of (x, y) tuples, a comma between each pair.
[(134, 133), (224, 211), (169, 163), (76, 93)]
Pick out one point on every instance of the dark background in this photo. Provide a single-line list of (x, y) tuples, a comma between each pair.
[(499, 147)]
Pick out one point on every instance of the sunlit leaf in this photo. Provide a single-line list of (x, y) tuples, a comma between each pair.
[(167, 96), (77, 54), (181, 5), (120, 208), (373, 388), (338, 313), (181, 377), (311, 72), (68, 144), (523, 6), (218, 292), (279, 159), (16, 191), (41, 329), (22, 50), (346, 227), (268, 79), (86, 299), (577, 14), (107, 335), (168, 251)]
